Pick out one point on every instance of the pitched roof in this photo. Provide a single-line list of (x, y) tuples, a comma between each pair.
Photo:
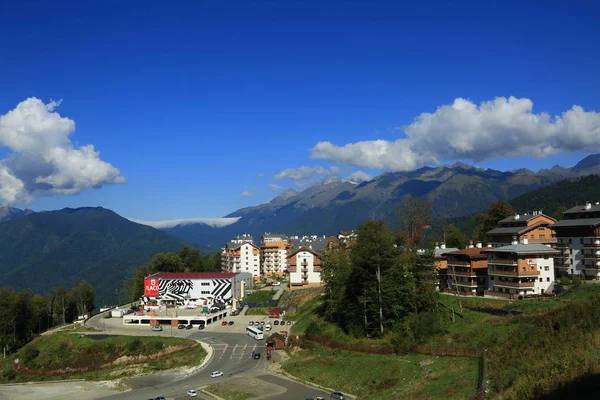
[(276, 335), (508, 230), (475, 253), (530, 248), (581, 209), (576, 222), (438, 252), (314, 243), (313, 251), (193, 275)]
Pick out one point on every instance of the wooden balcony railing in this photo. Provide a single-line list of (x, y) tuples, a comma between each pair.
[(513, 284)]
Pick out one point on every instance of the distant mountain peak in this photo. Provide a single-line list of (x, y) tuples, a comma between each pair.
[(591, 161), (286, 194)]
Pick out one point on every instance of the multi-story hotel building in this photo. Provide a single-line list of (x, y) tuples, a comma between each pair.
[(241, 255), (520, 269), (578, 242), (273, 254), (467, 271), (441, 265), (534, 227), (304, 266)]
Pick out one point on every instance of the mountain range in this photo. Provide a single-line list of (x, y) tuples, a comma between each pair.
[(337, 204), (49, 249)]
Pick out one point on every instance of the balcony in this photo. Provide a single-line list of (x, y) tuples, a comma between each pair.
[(591, 243), (592, 255), (592, 271), (470, 274), (304, 269), (561, 246), (458, 263), (472, 284), (499, 272), (513, 284), (502, 261), (591, 264)]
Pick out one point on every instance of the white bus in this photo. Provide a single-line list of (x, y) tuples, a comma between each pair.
[(254, 333)]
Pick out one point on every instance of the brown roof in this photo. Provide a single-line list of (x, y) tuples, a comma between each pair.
[(276, 335), (474, 253)]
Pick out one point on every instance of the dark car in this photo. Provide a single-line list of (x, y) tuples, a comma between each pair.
[(276, 322), (256, 356), (160, 398), (251, 323), (230, 323), (337, 395), (190, 326), (181, 326), (200, 327)]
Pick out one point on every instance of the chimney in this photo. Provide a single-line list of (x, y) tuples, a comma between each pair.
[(514, 241), (443, 245), (489, 245), (588, 205), (517, 216), (471, 244), (437, 245), (478, 245), (524, 241)]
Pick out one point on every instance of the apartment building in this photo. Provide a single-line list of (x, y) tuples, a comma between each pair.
[(520, 269), (313, 242), (241, 255), (534, 227), (441, 265), (467, 271), (274, 250), (578, 235), (304, 266)]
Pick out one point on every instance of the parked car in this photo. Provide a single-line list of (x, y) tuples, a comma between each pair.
[(190, 326), (276, 322), (268, 328), (200, 327), (192, 393), (224, 323), (251, 323), (275, 283), (157, 328), (160, 398), (256, 355), (257, 323), (262, 322), (289, 322), (181, 326), (337, 396), (216, 374), (230, 323)]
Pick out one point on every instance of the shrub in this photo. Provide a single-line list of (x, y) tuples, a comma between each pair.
[(314, 329), (564, 281), (28, 354), (576, 280), (134, 345)]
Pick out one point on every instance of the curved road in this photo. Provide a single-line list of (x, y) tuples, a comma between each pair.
[(231, 354)]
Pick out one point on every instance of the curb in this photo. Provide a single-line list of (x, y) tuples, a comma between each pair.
[(44, 382), (307, 383)]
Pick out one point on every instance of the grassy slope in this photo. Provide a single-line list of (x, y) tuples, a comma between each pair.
[(50, 357)]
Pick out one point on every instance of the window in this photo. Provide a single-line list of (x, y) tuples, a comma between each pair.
[(246, 262), (541, 279), (570, 241), (546, 268), (542, 236), (580, 241), (545, 257), (205, 292), (205, 284), (547, 279)]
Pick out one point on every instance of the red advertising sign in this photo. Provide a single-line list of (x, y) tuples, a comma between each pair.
[(151, 287)]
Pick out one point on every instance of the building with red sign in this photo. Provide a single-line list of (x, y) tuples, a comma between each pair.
[(196, 288)]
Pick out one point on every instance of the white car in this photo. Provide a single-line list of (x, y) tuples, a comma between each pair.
[(216, 374), (275, 283), (192, 393)]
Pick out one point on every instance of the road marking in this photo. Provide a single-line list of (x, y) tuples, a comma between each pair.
[(225, 348), (254, 348), (235, 348), (245, 346)]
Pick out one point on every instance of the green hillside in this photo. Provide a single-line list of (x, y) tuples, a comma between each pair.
[(59, 248)]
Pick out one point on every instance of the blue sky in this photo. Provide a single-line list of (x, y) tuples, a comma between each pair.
[(194, 103)]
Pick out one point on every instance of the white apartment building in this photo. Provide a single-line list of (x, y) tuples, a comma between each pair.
[(578, 242), (304, 266), (273, 254), (241, 255), (520, 269)]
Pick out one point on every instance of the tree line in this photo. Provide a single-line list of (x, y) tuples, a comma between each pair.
[(374, 286), (187, 259), (23, 314)]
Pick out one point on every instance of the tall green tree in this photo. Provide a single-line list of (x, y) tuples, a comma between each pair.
[(82, 295), (454, 237), (193, 260), (166, 262), (39, 309), (336, 269), (489, 220), (135, 287)]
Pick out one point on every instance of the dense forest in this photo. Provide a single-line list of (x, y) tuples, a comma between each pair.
[(23, 315)]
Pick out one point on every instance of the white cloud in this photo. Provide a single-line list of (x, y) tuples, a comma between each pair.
[(463, 130), (360, 176), (275, 187), (43, 161), (304, 172), (214, 222), (246, 194)]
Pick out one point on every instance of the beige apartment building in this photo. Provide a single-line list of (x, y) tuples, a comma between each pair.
[(534, 227), (274, 249), (241, 255)]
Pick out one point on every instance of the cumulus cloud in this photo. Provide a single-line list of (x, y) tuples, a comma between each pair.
[(360, 176), (503, 127), (275, 187), (304, 172), (42, 160), (246, 194)]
